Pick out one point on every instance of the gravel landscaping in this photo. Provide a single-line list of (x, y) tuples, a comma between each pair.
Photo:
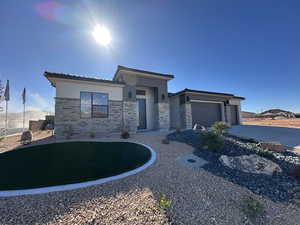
[(198, 196), (279, 187)]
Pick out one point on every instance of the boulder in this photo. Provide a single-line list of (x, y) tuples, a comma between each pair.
[(273, 146), (26, 137), (250, 164)]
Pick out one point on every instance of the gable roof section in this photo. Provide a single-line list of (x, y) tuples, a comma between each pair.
[(161, 75), (50, 75), (207, 92)]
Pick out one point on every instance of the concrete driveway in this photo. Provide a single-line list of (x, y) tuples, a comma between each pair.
[(286, 136)]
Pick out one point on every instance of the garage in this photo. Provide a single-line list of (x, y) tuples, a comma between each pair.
[(234, 114), (206, 114)]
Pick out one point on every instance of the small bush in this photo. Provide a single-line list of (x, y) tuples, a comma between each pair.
[(212, 141), (2, 138), (252, 207), (266, 154), (163, 202), (220, 127), (296, 172), (125, 135), (92, 135), (165, 141)]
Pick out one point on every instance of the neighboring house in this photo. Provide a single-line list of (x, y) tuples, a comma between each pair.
[(134, 100)]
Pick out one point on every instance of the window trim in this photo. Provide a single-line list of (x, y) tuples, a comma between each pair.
[(91, 115)]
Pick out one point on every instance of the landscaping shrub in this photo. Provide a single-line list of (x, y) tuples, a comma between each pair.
[(220, 127), (2, 138), (296, 172), (266, 154), (163, 202), (125, 135), (252, 207), (212, 141)]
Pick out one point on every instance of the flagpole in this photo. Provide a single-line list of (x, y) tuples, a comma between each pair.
[(6, 118), (24, 117)]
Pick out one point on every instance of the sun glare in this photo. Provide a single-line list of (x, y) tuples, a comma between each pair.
[(102, 35)]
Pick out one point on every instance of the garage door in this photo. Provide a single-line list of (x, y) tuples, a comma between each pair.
[(233, 112), (206, 114)]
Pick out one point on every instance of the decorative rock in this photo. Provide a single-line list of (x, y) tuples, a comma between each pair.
[(274, 146), (250, 164), (26, 137)]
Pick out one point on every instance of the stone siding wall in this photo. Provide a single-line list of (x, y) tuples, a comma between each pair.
[(67, 116), (186, 116), (130, 116), (163, 116)]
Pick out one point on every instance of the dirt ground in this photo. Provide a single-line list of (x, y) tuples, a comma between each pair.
[(292, 123), (12, 142)]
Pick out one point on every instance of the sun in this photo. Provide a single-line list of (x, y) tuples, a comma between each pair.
[(102, 35)]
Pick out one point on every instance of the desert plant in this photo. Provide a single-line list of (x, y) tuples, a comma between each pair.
[(266, 154), (165, 141), (212, 141), (92, 135), (26, 137), (125, 135), (252, 207), (164, 202), (68, 131), (220, 127)]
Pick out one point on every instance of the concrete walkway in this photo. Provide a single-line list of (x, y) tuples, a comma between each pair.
[(286, 136)]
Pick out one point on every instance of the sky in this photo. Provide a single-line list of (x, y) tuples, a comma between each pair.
[(248, 48)]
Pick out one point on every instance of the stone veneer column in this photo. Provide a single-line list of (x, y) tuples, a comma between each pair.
[(130, 116), (186, 115), (67, 113), (163, 116)]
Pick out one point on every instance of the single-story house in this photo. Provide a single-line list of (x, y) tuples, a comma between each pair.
[(135, 100)]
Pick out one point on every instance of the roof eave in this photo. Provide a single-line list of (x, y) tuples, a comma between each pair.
[(127, 69)]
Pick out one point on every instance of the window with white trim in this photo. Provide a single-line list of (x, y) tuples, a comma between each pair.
[(93, 105)]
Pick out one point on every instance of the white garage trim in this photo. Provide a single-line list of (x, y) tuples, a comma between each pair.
[(205, 101)]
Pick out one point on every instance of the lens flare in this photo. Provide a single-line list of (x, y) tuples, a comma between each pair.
[(102, 35)]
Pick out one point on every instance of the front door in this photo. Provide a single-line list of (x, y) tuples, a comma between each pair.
[(142, 113)]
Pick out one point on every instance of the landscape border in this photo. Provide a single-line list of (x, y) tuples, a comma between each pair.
[(66, 187)]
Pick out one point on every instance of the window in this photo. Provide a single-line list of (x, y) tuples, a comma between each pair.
[(93, 105)]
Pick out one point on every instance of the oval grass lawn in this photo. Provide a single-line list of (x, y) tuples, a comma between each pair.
[(68, 163)]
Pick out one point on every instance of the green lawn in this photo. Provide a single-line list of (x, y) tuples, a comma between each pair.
[(67, 163)]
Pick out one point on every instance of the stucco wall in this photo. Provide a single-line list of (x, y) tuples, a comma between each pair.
[(72, 89)]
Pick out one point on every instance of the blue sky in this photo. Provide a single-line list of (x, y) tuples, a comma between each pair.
[(248, 48)]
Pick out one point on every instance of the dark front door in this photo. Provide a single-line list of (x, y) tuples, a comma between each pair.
[(142, 113)]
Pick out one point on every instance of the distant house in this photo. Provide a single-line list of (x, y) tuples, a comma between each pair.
[(135, 100)]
